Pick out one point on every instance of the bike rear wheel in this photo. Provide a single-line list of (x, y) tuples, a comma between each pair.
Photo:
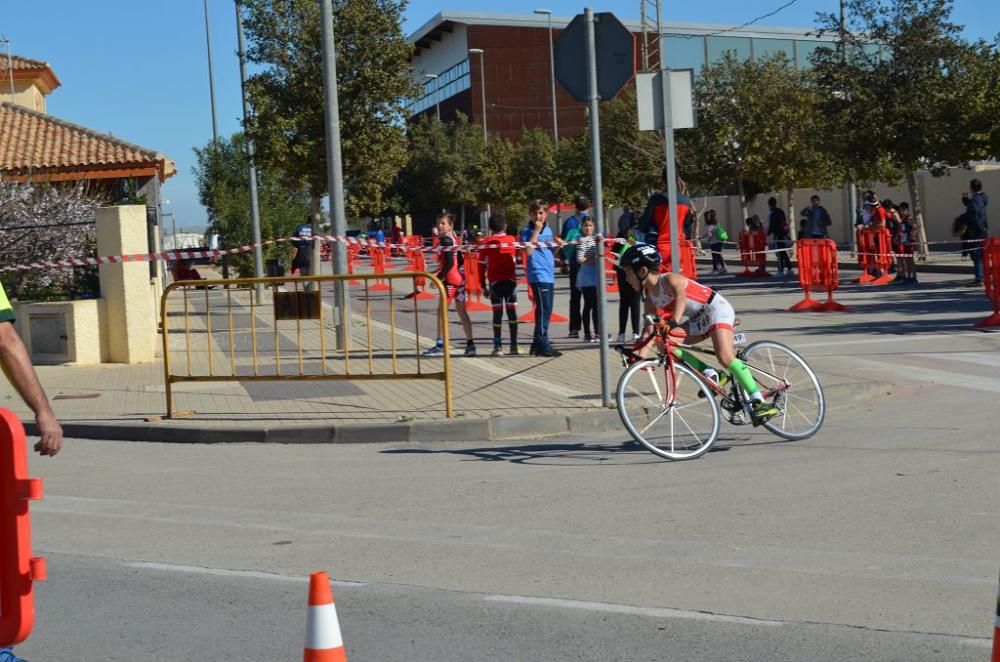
[(663, 410), (787, 380)]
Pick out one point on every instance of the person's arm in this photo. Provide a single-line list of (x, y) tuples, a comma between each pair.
[(677, 283), (536, 229), (17, 365), (825, 218)]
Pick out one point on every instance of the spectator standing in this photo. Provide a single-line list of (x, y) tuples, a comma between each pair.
[(976, 227), (714, 236), (902, 244), (302, 245), (654, 223), (499, 256), (541, 273), (629, 300), (451, 272), (586, 255), (570, 233), (817, 220), (778, 230)]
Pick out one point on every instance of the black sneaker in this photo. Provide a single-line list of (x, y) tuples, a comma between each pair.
[(974, 283), (514, 351), (549, 353), (470, 349), (574, 334)]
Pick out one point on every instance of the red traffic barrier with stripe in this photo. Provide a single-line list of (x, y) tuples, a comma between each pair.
[(874, 255), (353, 251), (817, 262), (991, 279), (378, 267), (689, 265), (418, 263), (753, 245), (324, 643), (474, 283), (18, 568)]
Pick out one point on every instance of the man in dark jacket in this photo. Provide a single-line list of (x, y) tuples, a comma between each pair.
[(976, 227), (777, 229)]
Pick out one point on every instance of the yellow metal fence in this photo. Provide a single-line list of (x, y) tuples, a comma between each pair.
[(218, 331)]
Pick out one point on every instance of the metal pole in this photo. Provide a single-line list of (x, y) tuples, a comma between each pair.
[(482, 85), (597, 199), (258, 253), (211, 78), (10, 68), (552, 69), (668, 144), (335, 173)]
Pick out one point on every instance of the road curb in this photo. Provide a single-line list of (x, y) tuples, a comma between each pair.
[(381, 432)]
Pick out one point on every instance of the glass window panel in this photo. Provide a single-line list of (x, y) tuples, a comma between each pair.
[(873, 51), (804, 51), (768, 47), (684, 53), (719, 46)]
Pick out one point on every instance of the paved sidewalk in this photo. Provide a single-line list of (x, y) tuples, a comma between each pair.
[(494, 397)]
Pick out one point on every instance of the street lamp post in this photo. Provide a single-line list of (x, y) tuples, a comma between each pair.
[(482, 84), (211, 79), (552, 71), (437, 102)]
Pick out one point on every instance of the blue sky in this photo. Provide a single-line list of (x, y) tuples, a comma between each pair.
[(137, 68)]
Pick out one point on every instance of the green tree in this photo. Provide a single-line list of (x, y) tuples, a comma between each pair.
[(535, 168), (894, 89), (728, 147), (220, 173), (288, 103), (631, 160)]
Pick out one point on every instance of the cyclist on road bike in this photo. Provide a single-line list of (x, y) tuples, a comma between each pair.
[(709, 315)]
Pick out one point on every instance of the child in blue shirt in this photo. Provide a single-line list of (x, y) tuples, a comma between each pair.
[(541, 277)]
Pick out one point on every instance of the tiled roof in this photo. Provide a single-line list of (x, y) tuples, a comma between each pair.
[(21, 63), (36, 143), (25, 68)]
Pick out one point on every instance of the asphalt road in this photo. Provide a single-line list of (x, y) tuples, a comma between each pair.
[(875, 540)]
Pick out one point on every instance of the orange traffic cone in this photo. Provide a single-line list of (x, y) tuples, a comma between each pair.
[(996, 634), (323, 640)]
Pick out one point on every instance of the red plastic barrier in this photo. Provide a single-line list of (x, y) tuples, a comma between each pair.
[(753, 245), (353, 251), (418, 263), (817, 263), (474, 283), (991, 279), (689, 265), (378, 266), (18, 568), (874, 254), (610, 275)]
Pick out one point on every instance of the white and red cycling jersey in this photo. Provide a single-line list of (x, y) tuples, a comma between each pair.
[(704, 308)]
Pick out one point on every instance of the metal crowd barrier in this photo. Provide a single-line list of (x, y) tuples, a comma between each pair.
[(217, 331)]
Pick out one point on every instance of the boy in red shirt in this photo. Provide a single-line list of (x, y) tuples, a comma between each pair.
[(499, 257)]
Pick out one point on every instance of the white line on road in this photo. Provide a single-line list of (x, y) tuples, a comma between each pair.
[(891, 339), (222, 572), (653, 612), (945, 377)]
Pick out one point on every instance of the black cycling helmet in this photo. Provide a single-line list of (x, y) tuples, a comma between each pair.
[(640, 255)]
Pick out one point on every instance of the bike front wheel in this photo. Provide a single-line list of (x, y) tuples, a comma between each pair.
[(787, 380), (673, 414)]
